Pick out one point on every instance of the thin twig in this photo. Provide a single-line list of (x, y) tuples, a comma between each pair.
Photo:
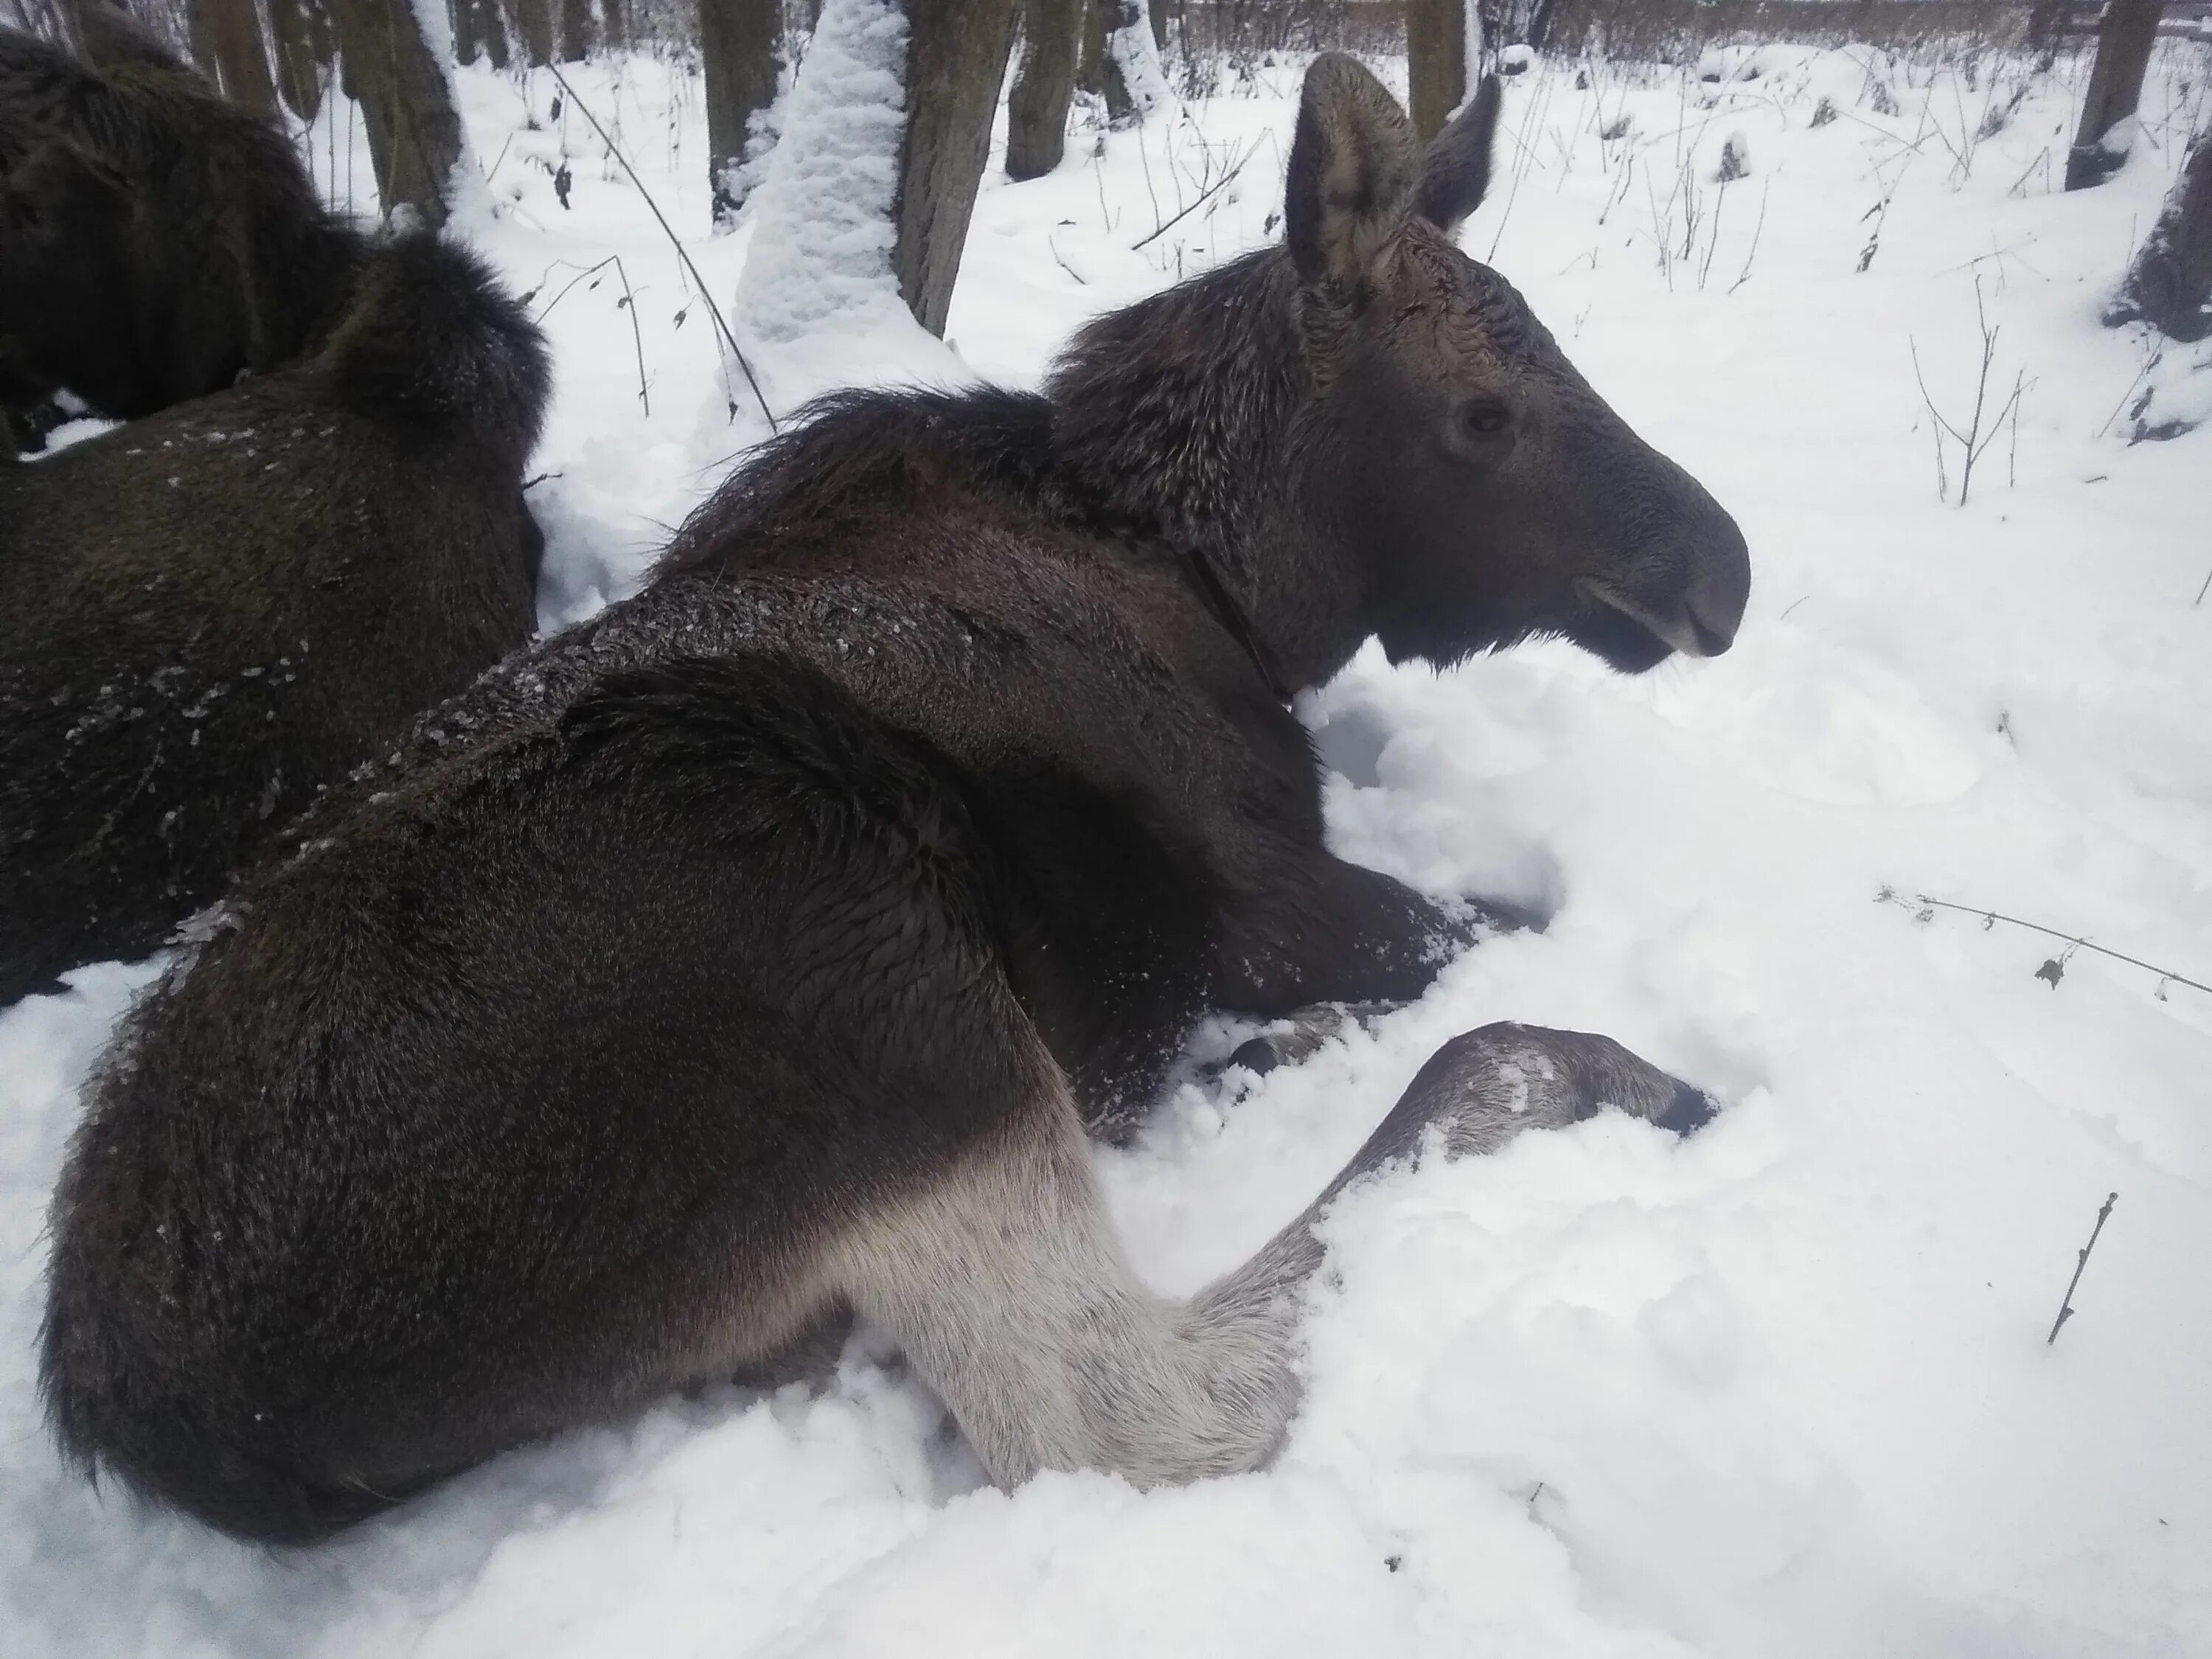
[(1745, 276), (2166, 976), (2081, 1260), (1063, 263), (636, 340), (705, 293), (1197, 202)]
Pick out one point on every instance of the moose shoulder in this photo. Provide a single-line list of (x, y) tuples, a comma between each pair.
[(759, 952)]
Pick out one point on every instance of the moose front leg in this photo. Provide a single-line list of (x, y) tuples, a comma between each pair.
[(1326, 931)]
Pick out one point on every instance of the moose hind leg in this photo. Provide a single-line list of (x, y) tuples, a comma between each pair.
[(1003, 1281), (1004, 1284)]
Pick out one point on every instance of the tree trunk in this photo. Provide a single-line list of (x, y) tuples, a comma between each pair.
[(199, 32), (492, 32), (1036, 109), (614, 25), (1435, 63), (231, 31), (736, 45), (2123, 42), (2169, 286), (406, 103), (956, 59), (2044, 17), (1096, 72), (533, 24), (575, 30), (1101, 71), (302, 32)]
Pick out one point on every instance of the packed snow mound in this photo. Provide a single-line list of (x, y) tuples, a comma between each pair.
[(1782, 1387)]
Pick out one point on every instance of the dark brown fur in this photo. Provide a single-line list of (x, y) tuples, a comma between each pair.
[(157, 242), (754, 951), (209, 615)]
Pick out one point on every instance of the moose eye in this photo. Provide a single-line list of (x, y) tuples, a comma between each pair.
[(1481, 430), (1486, 417)]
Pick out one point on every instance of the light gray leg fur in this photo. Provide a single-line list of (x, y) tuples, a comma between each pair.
[(1008, 1291)]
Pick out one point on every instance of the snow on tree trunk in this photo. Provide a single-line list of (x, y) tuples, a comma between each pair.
[(2169, 286), (956, 63), (1036, 109), (737, 47), (1135, 55), (397, 54), (823, 229), (2124, 41)]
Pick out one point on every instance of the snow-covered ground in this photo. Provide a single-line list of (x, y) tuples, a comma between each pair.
[(1781, 1387)]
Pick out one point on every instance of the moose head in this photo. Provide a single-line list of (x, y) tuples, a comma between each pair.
[(1491, 493), (1363, 431)]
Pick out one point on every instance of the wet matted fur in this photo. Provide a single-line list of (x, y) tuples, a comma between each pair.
[(209, 615), (156, 240), (760, 952)]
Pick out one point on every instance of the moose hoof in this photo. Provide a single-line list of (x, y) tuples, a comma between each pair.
[(1309, 1029), (1482, 1089)]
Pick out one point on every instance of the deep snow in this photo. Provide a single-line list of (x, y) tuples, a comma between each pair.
[(1780, 1388)]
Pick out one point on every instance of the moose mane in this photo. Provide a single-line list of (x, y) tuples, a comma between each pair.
[(1164, 421)]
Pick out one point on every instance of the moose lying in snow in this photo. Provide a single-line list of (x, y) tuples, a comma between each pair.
[(155, 240), (754, 954), (209, 615)]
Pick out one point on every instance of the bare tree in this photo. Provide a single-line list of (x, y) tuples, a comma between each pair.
[(1096, 72), (2169, 285), (1036, 109), (1435, 63), (533, 25), (737, 46), (2124, 41), (406, 103), (955, 59), (231, 31), (575, 30), (301, 29)]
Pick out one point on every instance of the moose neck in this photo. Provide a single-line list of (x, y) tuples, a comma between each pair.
[(1175, 417)]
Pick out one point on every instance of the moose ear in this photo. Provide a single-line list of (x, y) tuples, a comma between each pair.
[(1353, 167), (1456, 171)]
